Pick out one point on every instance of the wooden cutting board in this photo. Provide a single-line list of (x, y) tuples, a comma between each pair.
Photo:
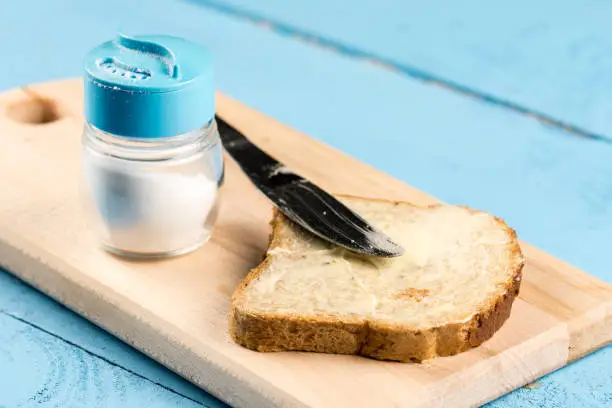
[(176, 310)]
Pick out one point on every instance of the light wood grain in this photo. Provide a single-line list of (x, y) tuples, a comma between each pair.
[(176, 310)]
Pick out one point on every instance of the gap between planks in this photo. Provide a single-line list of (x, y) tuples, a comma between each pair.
[(333, 45), (95, 355)]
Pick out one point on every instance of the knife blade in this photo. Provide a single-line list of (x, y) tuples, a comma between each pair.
[(302, 201)]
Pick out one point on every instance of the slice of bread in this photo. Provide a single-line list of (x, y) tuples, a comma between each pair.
[(452, 289)]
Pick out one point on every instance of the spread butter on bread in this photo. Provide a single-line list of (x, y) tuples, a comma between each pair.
[(451, 290)]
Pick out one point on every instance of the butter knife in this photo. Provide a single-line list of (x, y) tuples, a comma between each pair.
[(302, 201)]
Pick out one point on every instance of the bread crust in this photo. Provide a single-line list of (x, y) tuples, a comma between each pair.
[(358, 336)]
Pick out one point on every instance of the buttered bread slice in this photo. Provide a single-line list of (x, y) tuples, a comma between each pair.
[(451, 290)]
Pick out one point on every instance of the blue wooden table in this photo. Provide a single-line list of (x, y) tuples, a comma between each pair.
[(505, 107)]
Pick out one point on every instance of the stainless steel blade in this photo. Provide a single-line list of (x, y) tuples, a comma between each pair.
[(302, 201)]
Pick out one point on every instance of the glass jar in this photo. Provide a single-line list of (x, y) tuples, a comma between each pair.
[(152, 160), (152, 197)]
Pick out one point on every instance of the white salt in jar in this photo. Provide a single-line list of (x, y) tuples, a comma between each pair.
[(152, 158)]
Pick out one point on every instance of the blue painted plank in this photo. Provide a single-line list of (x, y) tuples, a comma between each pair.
[(548, 56), (551, 186), (40, 370)]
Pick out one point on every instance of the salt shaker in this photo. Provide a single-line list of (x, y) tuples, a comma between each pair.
[(152, 159)]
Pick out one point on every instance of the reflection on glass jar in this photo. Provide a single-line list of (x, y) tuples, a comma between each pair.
[(154, 197)]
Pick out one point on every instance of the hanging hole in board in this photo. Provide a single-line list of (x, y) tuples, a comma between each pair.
[(34, 111)]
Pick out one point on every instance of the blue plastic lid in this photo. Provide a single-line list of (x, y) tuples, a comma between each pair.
[(149, 86)]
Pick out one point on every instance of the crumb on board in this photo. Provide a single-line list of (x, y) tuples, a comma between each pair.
[(532, 385)]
